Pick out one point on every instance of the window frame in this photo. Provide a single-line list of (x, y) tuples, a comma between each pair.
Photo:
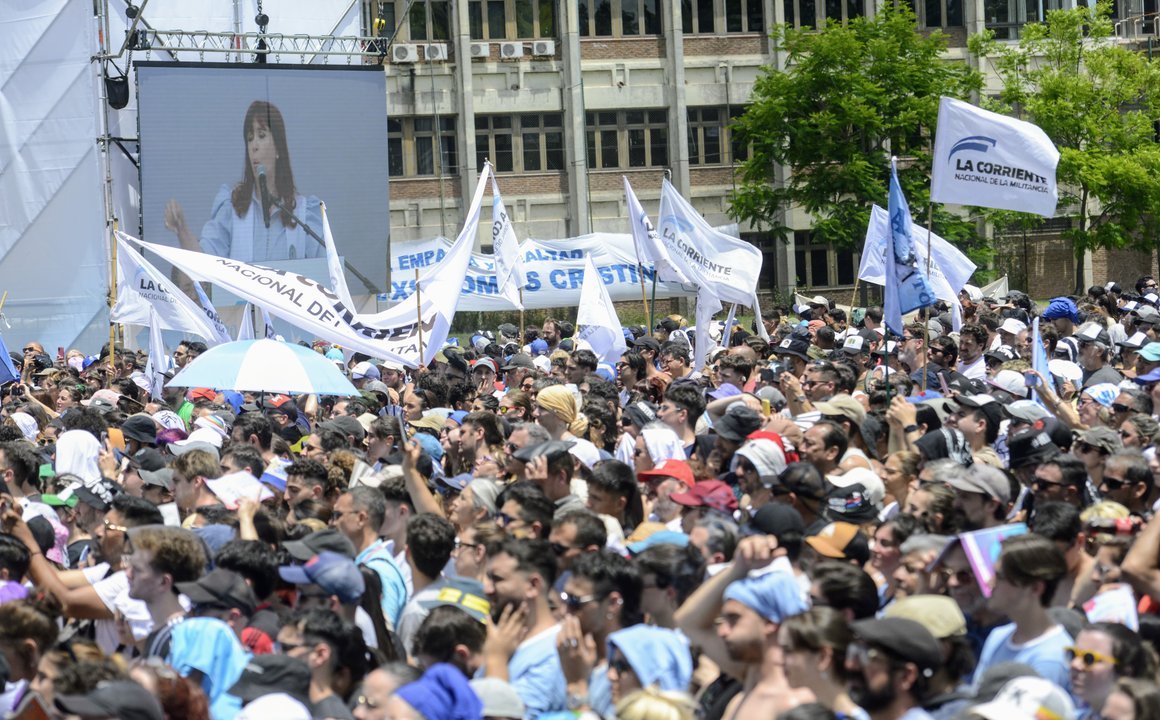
[(546, 124), (479, 11), (587, 18)]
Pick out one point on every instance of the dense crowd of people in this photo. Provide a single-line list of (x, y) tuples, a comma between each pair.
[(831, 523)]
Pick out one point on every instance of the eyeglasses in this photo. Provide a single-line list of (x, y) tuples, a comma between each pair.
[(29, 349), (1087, 447), (460, 544), (114, 528), (286, 648), (863, 655), (1114, 483), (1088, 657), (1117, 407), (558, 549), (573, 603)]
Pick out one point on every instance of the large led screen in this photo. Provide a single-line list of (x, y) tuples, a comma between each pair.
[(210, 133)]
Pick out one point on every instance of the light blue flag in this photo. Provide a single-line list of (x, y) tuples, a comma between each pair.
[(8, 371), (907, 288)]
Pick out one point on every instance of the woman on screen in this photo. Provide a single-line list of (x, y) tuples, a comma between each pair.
[(236, 228)]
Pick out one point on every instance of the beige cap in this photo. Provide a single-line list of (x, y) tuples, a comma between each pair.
[(937, 613)]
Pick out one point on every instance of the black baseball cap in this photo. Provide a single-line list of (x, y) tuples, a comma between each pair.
[(737, 422), (903, 638), (273, 673), (647, 341), (318, 541), (220, 587), (120, 699)]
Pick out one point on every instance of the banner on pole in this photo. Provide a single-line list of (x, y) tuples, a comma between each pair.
[(991, 160)]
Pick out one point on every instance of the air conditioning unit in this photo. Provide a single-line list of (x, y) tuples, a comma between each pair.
[(405, 53), (509, 50), (436, 52), (481, 50), (544, 47)]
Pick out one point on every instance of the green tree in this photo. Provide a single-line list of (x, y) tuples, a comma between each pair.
[(1098, 101), (850, 97)]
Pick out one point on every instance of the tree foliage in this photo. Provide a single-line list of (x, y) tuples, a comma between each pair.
[(851, 96), (1098, 101)]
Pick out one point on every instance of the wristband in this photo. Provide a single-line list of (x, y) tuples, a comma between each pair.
[(910, 428)]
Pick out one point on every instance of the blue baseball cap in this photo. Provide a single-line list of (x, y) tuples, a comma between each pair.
[(335, 573)]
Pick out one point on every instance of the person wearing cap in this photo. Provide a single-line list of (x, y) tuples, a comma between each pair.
[(325, 642), (889, 666), (1095, 354), (731, 428), (522, 647), (120, 699), (982, 496), (1026, 574), (1093, 447), (978, 418), (944, 620), (734, 619), (551, 466), (757, 466)]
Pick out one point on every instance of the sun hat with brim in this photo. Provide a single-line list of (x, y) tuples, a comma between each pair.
[(140, 428), (1027, 698), (122, 699), (939, 614), (429, 421)]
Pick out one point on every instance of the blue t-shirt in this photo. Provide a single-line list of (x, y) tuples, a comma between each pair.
[(1045, 654), (535, 672), (600, 690), (378, 557)]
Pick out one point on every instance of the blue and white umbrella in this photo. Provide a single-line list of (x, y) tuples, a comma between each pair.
[(264, 366)]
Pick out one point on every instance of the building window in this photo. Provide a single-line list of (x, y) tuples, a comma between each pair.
[(627, 139), (511, 19), (940, 13), (811, 13), (603, 140), (706, 136), (739, 148), (520, 143), (424, 145), (698, 16), (744, 16), (395, 147), (821, 266), (430, 20), (619, 18)]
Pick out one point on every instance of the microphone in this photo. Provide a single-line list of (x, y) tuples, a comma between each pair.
[(265, 195)]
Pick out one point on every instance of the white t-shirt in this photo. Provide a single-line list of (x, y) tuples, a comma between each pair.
[(114, 593)]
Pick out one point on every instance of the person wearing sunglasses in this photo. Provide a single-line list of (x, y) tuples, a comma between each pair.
[(1128, 480), (1093, 447), (1103, 654), (600, 597)]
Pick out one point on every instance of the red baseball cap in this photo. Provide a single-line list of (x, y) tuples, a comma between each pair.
[(678, 469), (202, 394), (708, 493)]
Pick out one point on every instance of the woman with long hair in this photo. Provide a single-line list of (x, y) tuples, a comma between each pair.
[(237, 227)]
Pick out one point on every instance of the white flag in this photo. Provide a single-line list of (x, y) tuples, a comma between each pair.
[(302, 302), (649, 248), (223, 333), (950, 269), (334, 264), (726, 266), (155, 366), (991, 160), (708, 305), (246, 326), (269, 329), (509, 270), (142, 288), (596, 317)]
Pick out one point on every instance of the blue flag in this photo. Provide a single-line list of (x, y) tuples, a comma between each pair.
[(8, 372), (1039, 359), (907, 288)]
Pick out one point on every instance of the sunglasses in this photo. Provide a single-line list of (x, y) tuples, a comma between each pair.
[(1088, 657), (575, 602), (1117, 407), (1114, 483), (1085, 447)]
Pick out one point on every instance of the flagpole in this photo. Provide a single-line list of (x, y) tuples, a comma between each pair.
[(419, 315), (113, 300), (521, 338), (854, 299), (643, 299), (2, 301), (651, 308)]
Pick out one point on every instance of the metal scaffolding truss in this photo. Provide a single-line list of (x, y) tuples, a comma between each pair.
[(216, 45)]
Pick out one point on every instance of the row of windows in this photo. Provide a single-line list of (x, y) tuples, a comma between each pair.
[(931, 13), (534, 142), (430, 20)]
